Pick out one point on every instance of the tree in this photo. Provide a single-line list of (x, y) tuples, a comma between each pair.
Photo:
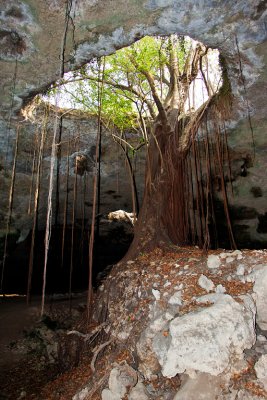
[(149, 86)]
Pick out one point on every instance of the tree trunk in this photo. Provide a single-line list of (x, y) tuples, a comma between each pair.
[(164, 212)]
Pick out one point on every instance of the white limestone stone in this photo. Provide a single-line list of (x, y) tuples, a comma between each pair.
[(236, 253), (213, 261), (166, 284), (261, 338), (209, 298), (203, 387), (176, 299), (246, 395), (261, 370), (121, 378), (158, 324), (240, 270), (138, 392), (108, 395), (81, 395), (229, 260), (205, 283), (223, 255), (208, 339), (220, 289), (169, 316), (156, 294)]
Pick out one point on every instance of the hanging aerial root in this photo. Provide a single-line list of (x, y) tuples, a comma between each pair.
[(72, 229), (33, 170), (53, 154), (36, 203), (224, 190), (92, 233), (65, 207)]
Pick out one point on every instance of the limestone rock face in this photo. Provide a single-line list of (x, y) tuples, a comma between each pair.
[(115, 183), (207, 340)]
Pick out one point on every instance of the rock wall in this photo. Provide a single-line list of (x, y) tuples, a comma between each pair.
[(32, 37), (78, 143)]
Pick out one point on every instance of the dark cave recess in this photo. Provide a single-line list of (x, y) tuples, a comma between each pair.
[(110, 246), (113, 239)]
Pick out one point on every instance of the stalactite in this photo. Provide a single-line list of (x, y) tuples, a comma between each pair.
[(10, 206), (36, 203)]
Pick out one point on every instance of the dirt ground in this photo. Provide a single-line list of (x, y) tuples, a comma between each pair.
[(21, 375)]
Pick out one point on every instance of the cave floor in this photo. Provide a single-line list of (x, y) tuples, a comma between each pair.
[(23, 365)]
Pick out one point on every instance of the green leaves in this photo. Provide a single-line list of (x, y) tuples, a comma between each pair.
[(139, 81)]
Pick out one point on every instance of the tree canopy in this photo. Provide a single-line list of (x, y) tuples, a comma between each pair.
[(143, 81)]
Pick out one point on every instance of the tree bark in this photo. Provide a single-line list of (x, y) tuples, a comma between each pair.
[(163, 215)]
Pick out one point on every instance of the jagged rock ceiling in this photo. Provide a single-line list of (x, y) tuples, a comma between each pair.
[(32, 34)]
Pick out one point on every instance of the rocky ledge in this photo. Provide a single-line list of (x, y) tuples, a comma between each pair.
[(179, 324)]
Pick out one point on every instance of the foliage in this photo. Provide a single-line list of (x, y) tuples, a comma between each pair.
[(132, 77)]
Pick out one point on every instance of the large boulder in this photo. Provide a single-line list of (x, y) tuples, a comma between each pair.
[(207, 340)]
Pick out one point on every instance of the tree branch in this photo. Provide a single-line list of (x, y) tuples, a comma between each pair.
[(160, 107), (114, 85)]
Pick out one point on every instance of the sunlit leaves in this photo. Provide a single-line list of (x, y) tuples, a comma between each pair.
[(126, 92)]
